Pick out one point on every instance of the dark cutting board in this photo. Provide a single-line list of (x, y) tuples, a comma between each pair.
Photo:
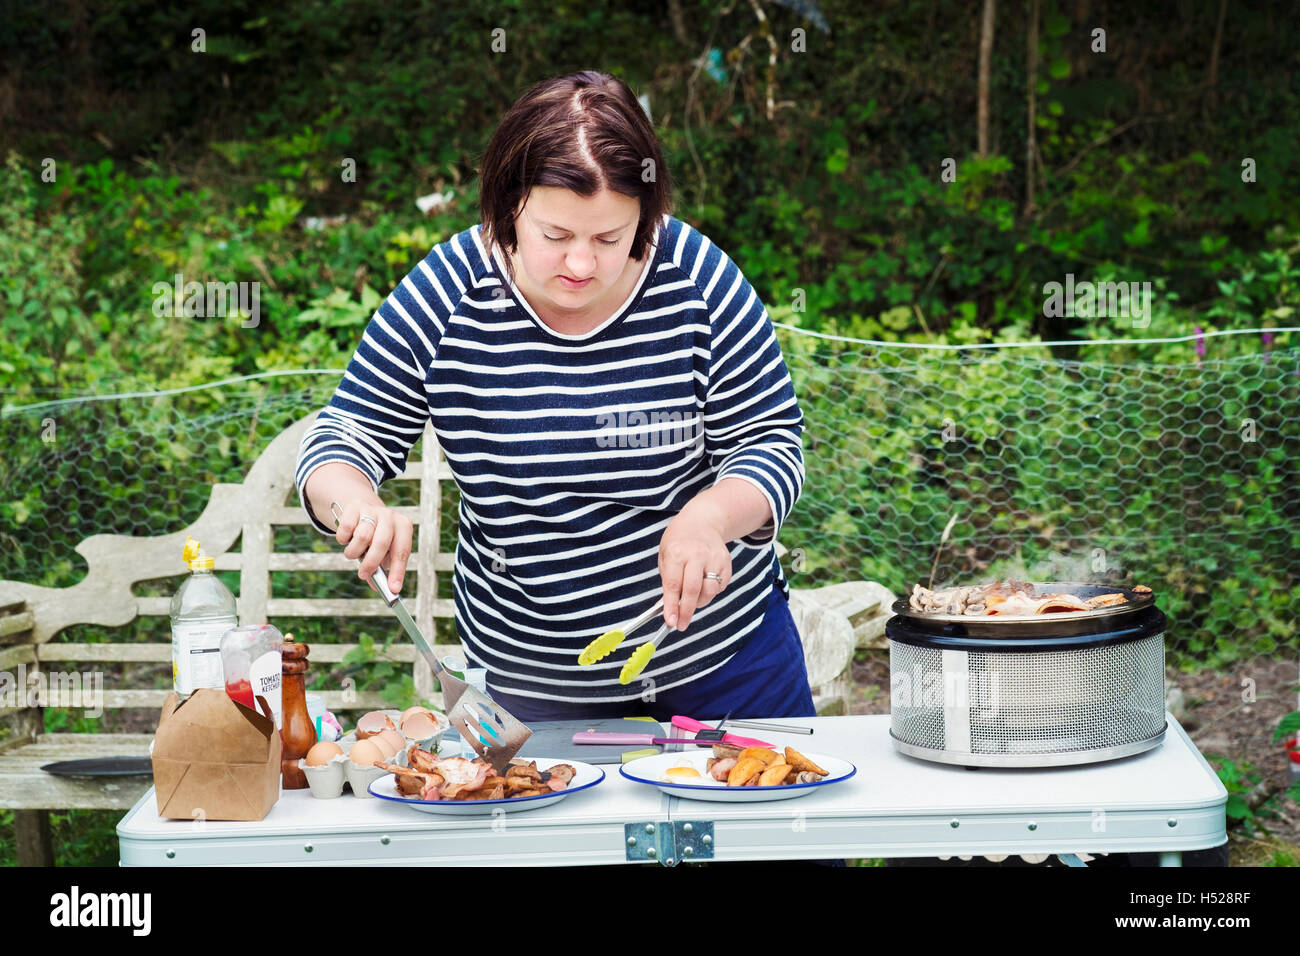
[(554, 738), (102, 767)]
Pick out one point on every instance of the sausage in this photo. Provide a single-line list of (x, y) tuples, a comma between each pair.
[(720, 769)]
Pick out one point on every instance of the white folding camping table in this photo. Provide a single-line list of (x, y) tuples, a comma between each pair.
[(1166, 801)]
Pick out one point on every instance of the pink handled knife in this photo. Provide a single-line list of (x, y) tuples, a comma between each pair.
[(694, 726), (591, 737)]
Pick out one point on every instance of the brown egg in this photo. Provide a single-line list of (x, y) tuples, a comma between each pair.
[(365, 753), (419, 726), (320, 753), (391, 739), (372, 723)]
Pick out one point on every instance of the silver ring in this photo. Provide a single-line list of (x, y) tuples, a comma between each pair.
[(370, 518), (714, 575)]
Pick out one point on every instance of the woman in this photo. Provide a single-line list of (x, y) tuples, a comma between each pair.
[(611, 399)]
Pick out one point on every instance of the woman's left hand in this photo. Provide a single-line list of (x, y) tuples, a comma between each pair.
[(692, 545)]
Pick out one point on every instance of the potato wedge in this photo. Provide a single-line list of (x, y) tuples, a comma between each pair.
[(774, 775), (762, 753), (745, 768), (797, 760)]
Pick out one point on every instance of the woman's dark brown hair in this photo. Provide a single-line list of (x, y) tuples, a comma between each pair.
[(583, 132)]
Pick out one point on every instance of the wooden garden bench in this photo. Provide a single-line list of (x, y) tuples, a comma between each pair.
[(843, 617)]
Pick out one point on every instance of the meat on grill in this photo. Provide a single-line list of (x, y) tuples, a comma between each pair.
[(1005, 598)]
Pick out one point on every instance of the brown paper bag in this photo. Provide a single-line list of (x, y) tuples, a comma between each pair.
[(214, 759)]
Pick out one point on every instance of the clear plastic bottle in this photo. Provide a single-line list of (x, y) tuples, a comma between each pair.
[(202, 610)]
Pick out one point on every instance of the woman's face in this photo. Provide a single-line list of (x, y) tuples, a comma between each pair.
[(563, 236)]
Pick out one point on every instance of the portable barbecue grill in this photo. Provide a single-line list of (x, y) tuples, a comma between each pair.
[(1029, 691)]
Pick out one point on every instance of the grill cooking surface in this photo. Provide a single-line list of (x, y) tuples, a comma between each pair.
[(1136, 600)]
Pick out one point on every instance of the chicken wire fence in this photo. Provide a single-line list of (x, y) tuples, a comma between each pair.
[(1178, 475)]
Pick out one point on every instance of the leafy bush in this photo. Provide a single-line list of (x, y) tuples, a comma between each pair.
[(836, 208)]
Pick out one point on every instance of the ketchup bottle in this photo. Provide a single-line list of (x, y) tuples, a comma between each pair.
[(250, 663)]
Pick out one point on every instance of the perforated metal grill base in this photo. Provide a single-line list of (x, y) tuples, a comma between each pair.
[(1026, 709)]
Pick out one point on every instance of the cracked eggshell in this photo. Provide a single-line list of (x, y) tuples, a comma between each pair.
[(424, 728), (374, 723)]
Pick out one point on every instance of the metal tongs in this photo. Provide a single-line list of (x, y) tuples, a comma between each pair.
[(495, 735)]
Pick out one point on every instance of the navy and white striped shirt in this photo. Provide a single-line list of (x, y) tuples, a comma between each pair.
[(573, 452)]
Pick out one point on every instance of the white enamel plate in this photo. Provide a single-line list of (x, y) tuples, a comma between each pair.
[(651, 771), (587, 776)]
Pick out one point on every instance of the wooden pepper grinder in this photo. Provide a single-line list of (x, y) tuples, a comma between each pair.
[(297, 733)]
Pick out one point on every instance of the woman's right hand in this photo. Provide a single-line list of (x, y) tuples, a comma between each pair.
[(383, 539)]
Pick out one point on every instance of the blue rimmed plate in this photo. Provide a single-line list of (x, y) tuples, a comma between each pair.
[(652, 772), (586, 777)]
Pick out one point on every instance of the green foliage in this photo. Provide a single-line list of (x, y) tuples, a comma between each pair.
[(1240, 778), (843, 220), (79, 837), (339, 310), (1104, 465), (847, 203), (837, 210), (44, 322), (1288, 726), (365, 668)]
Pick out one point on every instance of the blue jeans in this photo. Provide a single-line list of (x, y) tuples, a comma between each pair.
[(766, 678)]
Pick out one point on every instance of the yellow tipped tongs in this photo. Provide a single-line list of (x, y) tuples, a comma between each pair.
[(604, 645)]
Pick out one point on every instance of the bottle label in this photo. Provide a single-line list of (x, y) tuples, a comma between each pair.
[(264, 675), (196, 655)]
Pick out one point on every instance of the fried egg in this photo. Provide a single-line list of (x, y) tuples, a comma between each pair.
[(683, 772)]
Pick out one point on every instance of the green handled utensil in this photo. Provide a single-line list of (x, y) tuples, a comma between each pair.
[(604, 645), (640, 658)]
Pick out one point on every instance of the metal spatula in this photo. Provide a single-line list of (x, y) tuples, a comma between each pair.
[(495, 735)]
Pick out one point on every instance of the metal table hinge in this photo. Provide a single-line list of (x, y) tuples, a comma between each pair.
[(669, 843)]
